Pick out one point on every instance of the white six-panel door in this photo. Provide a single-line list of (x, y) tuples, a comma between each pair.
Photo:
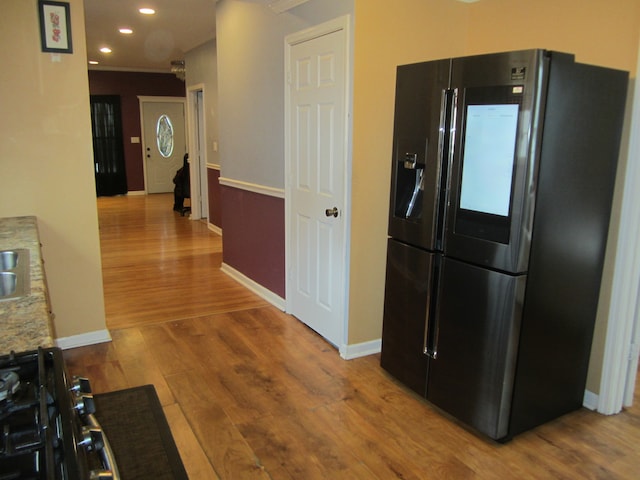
[(317, 177)]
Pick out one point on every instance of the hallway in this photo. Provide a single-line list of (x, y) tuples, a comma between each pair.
[(159, 266)]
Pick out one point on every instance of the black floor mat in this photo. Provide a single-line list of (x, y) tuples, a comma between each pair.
[(139, 434)]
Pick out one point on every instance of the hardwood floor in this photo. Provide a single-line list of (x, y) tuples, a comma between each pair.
[(159, 266), (250, 392)]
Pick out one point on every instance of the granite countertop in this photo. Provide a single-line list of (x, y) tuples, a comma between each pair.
[(25, 322)]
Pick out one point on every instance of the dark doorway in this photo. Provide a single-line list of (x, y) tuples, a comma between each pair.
[(108, 149)]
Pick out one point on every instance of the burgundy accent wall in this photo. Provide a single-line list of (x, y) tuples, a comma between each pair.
[(215, 197), (253, 236), (129, 85)]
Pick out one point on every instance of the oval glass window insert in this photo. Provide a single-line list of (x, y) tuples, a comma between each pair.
[(164, 136)]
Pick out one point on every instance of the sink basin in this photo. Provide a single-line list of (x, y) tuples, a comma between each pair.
[(8, 259), (14, 273), (8, 283)]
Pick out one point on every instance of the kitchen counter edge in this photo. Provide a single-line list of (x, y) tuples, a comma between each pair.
[(25, 322)]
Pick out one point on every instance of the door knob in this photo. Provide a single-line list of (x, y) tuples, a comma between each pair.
[(331, 212)]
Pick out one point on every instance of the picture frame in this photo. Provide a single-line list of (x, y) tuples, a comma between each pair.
[(55, 26)]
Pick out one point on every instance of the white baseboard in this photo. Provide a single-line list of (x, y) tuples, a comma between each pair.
[(275, 300), (590, 400), (84, 339), (349, 352), (214, 228), (137, 192)]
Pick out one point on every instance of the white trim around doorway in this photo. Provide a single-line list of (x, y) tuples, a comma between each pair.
[(196, 126), (620, 362)]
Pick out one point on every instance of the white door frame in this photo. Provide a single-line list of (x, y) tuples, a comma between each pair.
[(340, 23), (196, 129), (620, 363), (156, 99)]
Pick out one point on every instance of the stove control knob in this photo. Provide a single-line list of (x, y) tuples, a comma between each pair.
[(84, 404), (92, 439), (81, 385)]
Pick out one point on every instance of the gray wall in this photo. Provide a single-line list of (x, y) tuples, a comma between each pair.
[(251, 80), (202, 69)]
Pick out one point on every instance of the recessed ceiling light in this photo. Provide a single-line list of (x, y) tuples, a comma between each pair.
[(105, 50), (93, 62), (126, 31), (147, 11)]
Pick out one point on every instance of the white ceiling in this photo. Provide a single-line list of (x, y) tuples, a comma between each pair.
[(177, 27)]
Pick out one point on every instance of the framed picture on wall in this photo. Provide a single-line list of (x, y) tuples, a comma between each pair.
[(55, 26)]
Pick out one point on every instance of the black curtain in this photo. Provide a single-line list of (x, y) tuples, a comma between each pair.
[(108, 147)]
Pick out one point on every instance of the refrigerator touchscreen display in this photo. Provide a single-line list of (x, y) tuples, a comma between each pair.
[(489, 148)]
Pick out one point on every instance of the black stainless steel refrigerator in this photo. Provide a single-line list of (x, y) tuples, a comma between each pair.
[(503, 173)]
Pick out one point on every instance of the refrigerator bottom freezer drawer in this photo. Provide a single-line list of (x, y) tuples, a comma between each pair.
[(408, 283), (478, 320)]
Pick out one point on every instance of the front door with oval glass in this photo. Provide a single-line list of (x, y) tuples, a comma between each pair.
[(164, 143)]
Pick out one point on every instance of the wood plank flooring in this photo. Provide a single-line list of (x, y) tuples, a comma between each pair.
[(159, 266), (251, 393)]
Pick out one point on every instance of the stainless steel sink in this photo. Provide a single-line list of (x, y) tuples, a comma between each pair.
[(8, 259), (14, 273), (8, 283)]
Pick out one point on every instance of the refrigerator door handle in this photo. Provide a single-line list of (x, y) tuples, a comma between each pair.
[(430, 343), (448, 110), (453, 114), (427, 349), (429, 352)]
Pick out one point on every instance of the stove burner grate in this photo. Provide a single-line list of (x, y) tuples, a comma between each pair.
[(9, 383)]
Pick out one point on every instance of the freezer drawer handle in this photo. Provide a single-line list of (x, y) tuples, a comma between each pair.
[(331, 212), (430, 345)]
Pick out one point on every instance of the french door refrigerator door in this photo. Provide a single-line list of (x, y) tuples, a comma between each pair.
[(478, 325), (419, 139), (494, 168)]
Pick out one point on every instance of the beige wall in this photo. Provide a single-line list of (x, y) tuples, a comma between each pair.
[(46, 166), (385, 36), (597, 31), (601, 32)]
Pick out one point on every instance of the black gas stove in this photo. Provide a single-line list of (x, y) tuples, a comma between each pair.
[(47, 427)]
